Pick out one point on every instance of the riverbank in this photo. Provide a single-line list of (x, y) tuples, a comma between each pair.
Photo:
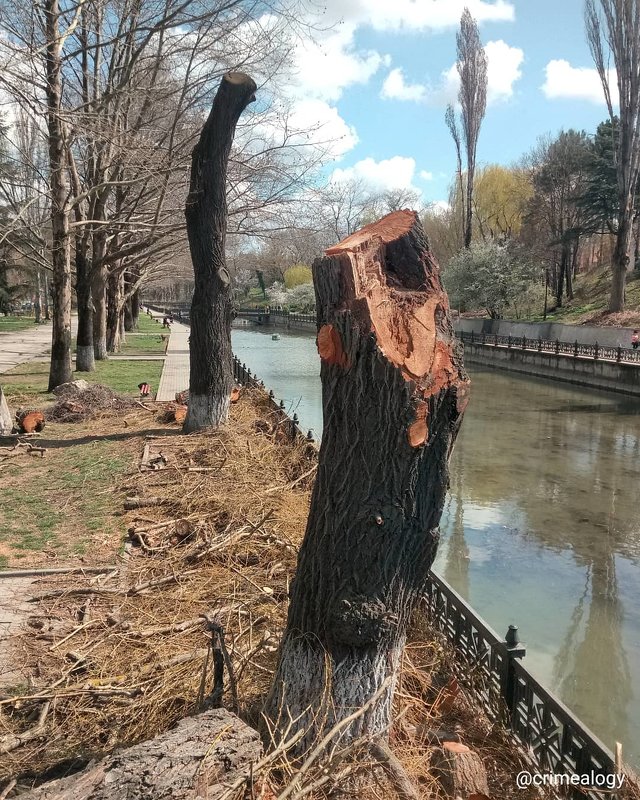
[(215, 532), (540, 525)]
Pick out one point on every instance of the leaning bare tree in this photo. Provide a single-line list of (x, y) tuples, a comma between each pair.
[(472, 68), (614, 26), (394, 389), (210, 376)]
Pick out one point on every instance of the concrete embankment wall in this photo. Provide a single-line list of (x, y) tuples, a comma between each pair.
[(583, 334), (622, 378)]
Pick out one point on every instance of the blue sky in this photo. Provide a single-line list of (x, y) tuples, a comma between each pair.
[(380, 80)]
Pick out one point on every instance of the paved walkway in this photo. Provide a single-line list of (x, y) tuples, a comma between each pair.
[(175, 375), (25, 345)]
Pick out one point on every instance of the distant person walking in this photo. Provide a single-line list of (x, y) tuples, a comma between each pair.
[(634, 340)]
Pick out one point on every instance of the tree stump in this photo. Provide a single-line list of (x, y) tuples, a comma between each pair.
[(460, 771), (6, 420), (194, 759), (30, 421), (394, 390)]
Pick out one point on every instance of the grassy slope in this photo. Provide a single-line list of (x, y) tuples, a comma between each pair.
[(591, 297)]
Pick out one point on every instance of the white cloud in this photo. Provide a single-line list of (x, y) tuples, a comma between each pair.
[(323, 126), (390, 173), (329, 63), (503, 71), (426, 176), (394, 88), (420, 15), (581, 83)]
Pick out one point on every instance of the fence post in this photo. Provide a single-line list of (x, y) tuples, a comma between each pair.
[(539, 344), (619, 354), (310, 436), (575, 349), (595, 352), (294, 427), (484, 337), (509, 340), (557, 346), (512, 648), (495, 339), (524, 342)]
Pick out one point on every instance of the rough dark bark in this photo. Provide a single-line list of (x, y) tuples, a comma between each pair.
[(394, 389), (211, 375), (194, 760), (99, 295), (60, 370), (85, 360)]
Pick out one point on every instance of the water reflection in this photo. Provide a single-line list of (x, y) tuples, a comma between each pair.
[(540, 527)]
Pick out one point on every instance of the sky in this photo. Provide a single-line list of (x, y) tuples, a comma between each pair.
[(380, 76)]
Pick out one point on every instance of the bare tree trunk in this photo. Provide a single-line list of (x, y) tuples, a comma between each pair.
[(99, 277), (85, 360), (620, 263), (394, 389), (47, 314), (38, 303), (60, 370), (211, 378), (113, 311), (135, 309)]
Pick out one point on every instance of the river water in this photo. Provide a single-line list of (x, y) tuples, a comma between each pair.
[(541, 526)]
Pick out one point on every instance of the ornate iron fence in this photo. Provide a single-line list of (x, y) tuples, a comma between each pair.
[(244, 377), (492, 670), (595, 352)]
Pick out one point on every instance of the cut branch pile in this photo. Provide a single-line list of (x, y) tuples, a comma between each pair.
[(95, 401)]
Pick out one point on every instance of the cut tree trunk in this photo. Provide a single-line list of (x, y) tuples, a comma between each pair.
[(198, 758), (460, 771), (211, 372), (6, 420), (394, 389)]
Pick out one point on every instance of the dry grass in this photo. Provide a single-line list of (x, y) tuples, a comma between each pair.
[(120, 658)]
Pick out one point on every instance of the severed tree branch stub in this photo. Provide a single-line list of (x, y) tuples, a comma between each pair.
[(211, 372), (394, 390)]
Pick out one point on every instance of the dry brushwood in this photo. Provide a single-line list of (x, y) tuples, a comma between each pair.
[(78, 405), (217, 544)]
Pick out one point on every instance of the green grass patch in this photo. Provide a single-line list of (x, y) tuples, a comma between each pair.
[(32, 378), (12, 324), (64, 502), (148, 325), (144, 344)]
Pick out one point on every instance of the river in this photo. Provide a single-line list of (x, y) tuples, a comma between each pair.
[(541, 526)]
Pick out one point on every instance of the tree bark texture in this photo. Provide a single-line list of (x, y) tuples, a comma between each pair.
[(394, 390), (60, 370), (211, 374), (620, 263), (195, 759), (85, 360)]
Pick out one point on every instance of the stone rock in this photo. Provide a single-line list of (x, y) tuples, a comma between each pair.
[(71, 388)]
